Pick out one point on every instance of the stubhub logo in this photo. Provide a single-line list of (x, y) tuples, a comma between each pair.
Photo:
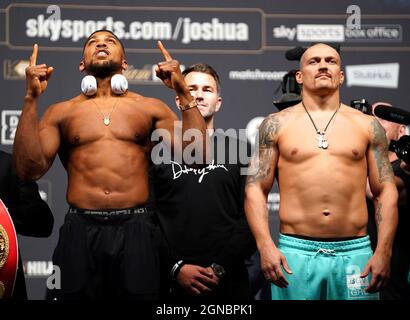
[(382, 75)]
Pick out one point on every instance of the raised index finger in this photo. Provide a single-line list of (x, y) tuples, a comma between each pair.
[(164, 51), (33, 58)]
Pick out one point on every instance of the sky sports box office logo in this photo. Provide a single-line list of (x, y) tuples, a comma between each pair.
[(338, 33)]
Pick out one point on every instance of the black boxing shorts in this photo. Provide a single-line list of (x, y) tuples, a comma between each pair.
[(108, 255)]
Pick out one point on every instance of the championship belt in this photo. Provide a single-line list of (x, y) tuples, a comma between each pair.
[(8, 253)]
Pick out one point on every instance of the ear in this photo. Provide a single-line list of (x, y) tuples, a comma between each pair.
[(218, 104), (177, 100), (81, 66), (342, 77), (298, 77), (402, 130), (124, 64)]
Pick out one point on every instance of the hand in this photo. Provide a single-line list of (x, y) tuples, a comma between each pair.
[(272, 261), (214, 276), (405, 167), (37, 76), (196, 280), (379, 267), (169, 71)]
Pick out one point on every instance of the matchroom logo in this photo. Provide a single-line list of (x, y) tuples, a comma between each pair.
[(9, 122)]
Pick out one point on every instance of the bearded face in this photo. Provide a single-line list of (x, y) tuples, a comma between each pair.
[(102, 69), (103, 55)]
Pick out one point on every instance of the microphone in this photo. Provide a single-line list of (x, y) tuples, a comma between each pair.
[(295, 53), (392, 114)]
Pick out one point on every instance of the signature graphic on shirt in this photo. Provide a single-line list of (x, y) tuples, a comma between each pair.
[(178, 170)]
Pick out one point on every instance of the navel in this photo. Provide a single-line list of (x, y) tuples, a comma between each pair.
[(326, 212)]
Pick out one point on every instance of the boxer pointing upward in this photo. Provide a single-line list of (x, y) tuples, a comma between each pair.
[(104, 143), (322, 152)]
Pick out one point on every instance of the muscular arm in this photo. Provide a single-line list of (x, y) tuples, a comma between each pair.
[(260, 180), (35, 144), (179, 136), (259, 183), (193, 124), (381, 180)]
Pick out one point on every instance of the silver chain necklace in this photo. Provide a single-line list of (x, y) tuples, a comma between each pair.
[(321, 138)]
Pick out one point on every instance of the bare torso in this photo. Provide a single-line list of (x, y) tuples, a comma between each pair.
[(323, 191), (107, 166)]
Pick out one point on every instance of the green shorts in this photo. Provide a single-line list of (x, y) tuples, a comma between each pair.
[(325, 270)]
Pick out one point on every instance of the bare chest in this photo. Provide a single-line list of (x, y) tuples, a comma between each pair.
[(86, 124), (343, 140)]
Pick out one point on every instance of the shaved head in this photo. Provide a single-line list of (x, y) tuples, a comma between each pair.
[(320, 69), (311, 51)]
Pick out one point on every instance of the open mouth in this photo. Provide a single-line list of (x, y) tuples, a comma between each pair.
[(102, 53)]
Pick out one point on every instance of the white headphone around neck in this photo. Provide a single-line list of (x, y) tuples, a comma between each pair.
[(119, 84)]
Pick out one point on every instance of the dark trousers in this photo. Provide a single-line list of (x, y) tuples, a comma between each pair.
[(108, 257)]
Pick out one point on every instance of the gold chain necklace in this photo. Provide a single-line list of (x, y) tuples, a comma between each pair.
[(106, 118), (321, 134)]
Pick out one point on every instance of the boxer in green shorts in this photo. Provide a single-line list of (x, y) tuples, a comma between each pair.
[(323, 152), (325, 270)]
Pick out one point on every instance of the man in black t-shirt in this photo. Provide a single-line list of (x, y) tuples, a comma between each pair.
[(200, 209)]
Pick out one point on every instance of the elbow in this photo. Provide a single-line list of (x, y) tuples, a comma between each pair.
[(27, 175), (31, 173), (388, 193), (22, 173)]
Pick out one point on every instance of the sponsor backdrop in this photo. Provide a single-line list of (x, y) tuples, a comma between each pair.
[(244, 40)]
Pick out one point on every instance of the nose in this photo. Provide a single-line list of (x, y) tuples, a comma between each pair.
[(322, 65), (198, 94), (101, 44)]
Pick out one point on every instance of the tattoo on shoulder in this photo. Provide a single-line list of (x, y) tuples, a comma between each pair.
[(268, 130), (262, 161), (380, 149)]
